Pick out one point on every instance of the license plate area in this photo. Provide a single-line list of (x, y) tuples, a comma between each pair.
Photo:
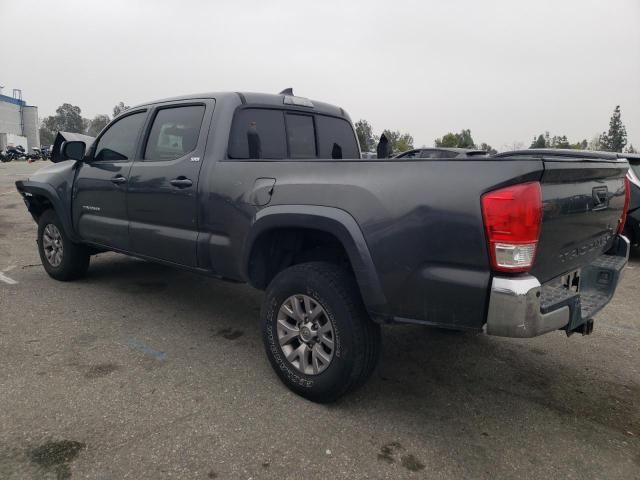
[(571, 282)]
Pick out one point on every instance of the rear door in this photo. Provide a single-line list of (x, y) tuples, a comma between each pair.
[(100, 188), (162, 202)]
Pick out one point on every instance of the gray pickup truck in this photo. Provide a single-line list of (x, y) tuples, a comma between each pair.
[(270, 190)]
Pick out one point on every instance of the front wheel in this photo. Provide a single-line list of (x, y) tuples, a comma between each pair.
[(61, 258), (317, 333)]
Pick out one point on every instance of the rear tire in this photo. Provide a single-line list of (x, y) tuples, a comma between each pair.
[(340, 348), (61, 258)]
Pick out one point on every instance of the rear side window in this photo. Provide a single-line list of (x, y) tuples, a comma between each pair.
[(258, 133), (174, 133), (335, 138), (301, 136), (120, 139)]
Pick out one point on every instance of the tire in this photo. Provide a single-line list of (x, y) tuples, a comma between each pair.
[(342, 322), (61, 258)]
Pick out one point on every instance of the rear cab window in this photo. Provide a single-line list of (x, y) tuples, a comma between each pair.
[(258, 133), (271, 134), (335, 138), (301, 136)]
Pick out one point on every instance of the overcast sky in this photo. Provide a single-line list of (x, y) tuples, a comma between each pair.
[(506, 69)]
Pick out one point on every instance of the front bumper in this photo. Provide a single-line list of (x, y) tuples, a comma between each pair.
[(521, 307)]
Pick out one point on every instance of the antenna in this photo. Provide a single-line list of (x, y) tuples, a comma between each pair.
[(287, 91)]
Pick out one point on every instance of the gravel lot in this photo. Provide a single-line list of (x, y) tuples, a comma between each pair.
[(140, 371)]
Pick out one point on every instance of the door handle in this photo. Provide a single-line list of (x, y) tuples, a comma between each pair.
[(181, 182), (118, 179)]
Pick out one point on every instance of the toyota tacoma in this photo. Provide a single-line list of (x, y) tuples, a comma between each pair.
[(270, 190)]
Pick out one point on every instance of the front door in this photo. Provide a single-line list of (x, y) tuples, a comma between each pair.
[(163, 184), (100, 189)]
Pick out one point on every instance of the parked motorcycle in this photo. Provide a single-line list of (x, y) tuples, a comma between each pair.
[(15, 153)]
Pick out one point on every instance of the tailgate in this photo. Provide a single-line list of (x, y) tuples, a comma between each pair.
[(583, 199)]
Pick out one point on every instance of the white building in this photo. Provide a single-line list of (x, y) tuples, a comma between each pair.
[(18, 122)]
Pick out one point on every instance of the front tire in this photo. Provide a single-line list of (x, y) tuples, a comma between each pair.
[(61, 258), (317, 334)]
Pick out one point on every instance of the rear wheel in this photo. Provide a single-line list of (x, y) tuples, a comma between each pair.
[(61, 258), (317, 333)]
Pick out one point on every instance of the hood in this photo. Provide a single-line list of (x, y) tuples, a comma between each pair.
[(53, 174)]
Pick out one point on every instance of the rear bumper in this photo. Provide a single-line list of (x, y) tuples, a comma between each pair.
[(521, 307)]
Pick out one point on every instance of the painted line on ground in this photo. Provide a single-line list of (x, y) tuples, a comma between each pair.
[(6, 279)]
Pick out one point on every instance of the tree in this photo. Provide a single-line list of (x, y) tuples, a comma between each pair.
[(594, 143), (68, 118), (97, 124), (631, 149), (488, 148), (119, 108), (365, 136), (616, 138), (465, 140), (579, 145), (456, 140), (47, 136), (539, 142), (449, 140), (399, 142), (560, 142), (557, 141)]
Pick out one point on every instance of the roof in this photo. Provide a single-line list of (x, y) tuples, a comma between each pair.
[(560, 152), (630, 156), (253, 98), (454, 149), (15, 101)]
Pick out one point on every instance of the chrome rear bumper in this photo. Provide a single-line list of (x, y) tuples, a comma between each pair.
[(521, 307)]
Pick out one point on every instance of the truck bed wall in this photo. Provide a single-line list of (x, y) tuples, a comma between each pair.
[(421, 220)]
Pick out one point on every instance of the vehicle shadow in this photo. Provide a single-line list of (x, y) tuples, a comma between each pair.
[(427, 378)]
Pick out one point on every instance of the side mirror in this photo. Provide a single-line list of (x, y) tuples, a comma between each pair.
[(73, 150)]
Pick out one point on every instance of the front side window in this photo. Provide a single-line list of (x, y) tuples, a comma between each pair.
[(174, 133), (301, 136), (258, 133), (335, 138), (120, 140)]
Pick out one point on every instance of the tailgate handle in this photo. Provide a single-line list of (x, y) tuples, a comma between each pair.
[(600, 197)]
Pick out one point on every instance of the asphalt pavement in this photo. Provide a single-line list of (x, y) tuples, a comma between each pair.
[(139, 371)]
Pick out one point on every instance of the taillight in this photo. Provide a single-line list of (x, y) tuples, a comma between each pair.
[(512, 218), (627, 199)]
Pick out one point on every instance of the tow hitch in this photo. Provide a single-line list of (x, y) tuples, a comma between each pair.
[(585, 329)]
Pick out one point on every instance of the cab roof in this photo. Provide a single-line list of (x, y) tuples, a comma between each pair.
[(261, 99)]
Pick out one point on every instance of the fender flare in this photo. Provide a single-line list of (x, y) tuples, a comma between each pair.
[(336, 222), (27, 188)]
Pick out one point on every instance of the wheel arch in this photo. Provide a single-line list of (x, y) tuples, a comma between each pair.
[(330, 223), (41, 196)]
